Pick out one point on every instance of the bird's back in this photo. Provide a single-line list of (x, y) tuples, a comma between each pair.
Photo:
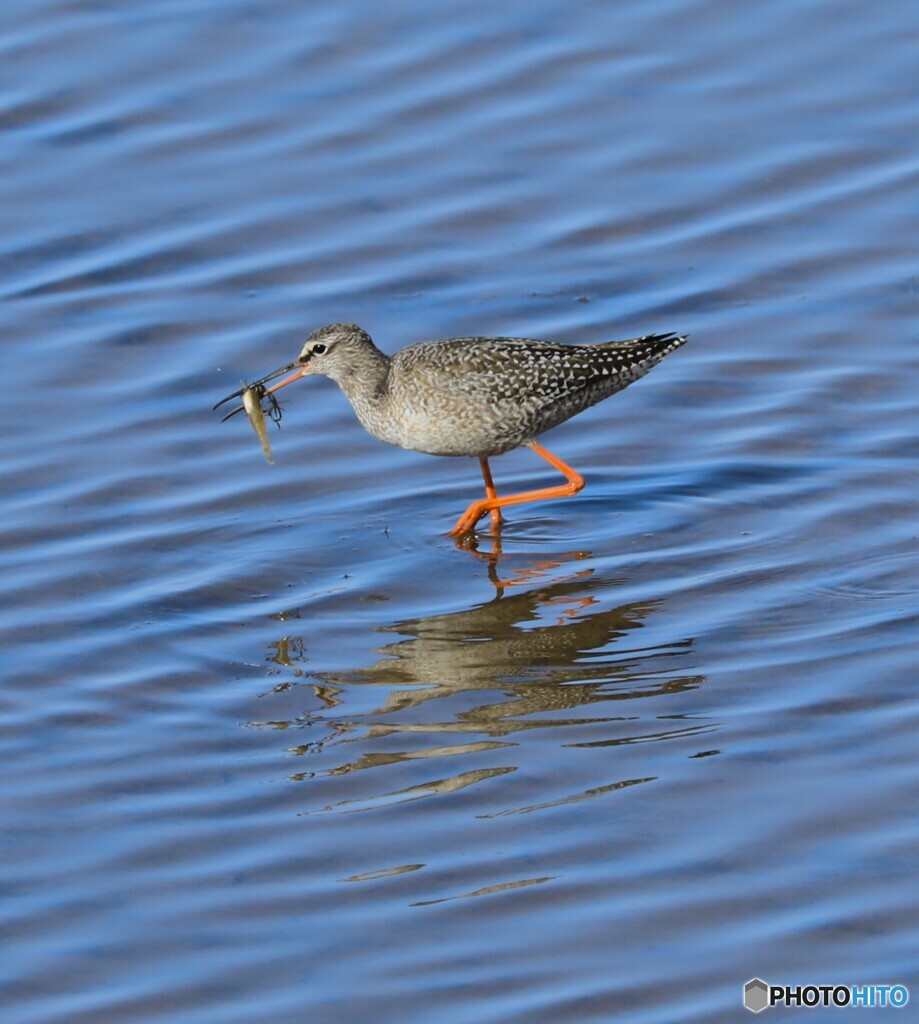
[(485, 396)]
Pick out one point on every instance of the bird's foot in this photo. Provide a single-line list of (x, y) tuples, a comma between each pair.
[(467, 521)]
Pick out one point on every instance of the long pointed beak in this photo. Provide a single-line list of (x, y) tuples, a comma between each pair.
[(300, 371)]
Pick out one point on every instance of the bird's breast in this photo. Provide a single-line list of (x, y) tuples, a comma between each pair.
[(438, 421)]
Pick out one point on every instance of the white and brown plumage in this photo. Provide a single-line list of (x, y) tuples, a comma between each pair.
[(474, 396)]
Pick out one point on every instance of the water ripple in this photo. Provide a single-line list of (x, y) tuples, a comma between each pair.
[(667, 727)]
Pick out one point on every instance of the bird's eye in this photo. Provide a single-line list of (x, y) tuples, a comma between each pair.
[(318, 349)]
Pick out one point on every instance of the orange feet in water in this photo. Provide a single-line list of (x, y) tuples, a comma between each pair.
[(493, 504)]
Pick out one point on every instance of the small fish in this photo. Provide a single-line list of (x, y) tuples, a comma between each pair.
[(252, 403), (252, 396)]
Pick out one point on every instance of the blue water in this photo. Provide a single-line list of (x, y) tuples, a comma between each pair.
[(273, 750)]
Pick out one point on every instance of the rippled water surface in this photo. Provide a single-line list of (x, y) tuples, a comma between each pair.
[(273, 749)]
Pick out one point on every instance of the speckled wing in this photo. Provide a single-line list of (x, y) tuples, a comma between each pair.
[(534, 373)]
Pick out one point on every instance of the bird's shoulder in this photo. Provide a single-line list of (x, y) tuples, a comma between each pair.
[(478, 354)]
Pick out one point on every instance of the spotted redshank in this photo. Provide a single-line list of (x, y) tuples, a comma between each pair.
[(473, 396)]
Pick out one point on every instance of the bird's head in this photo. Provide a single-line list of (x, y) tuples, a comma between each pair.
[(333, 351)]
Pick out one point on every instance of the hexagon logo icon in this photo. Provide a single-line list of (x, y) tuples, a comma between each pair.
[(756, 995)]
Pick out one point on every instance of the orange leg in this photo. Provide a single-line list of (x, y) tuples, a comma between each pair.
[(492, 494), (492, 503)]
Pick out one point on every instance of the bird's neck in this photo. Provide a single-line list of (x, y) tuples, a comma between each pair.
[(366, 382)]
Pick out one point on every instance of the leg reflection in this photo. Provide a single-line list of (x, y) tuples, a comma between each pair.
[(527, 575)]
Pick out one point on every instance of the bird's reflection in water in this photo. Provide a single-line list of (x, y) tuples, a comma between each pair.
[(473, 682), (521, 576)]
